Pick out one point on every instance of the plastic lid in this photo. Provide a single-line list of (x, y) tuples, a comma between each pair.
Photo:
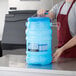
[(33, 19)]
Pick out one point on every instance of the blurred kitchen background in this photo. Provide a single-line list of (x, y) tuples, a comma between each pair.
[(13, 16)]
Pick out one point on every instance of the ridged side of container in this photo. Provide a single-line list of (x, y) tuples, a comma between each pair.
[(38, 41)]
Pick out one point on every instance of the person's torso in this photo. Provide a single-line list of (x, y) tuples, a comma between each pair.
[(71, 16)]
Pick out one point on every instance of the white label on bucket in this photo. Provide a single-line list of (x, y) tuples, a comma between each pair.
[(33, 46), (37, 47), (42, 47)]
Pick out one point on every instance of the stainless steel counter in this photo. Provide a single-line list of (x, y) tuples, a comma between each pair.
[(17, 63)]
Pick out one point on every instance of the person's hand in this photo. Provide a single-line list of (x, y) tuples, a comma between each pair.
[(57, 54), (41, 12)]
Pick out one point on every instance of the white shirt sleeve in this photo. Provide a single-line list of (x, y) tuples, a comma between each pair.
[(75, 21), (75, 11), (54, 10)]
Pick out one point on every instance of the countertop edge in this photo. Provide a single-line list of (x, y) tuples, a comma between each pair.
[(59, 72)]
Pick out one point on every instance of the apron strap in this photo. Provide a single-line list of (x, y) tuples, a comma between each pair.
[(61, 7), (71, 6)]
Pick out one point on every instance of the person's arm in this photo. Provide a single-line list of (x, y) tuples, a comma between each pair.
[(51, 15), (69, 44), (42, 12)]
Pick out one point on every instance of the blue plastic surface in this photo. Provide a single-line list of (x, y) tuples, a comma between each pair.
[(38, 41)]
